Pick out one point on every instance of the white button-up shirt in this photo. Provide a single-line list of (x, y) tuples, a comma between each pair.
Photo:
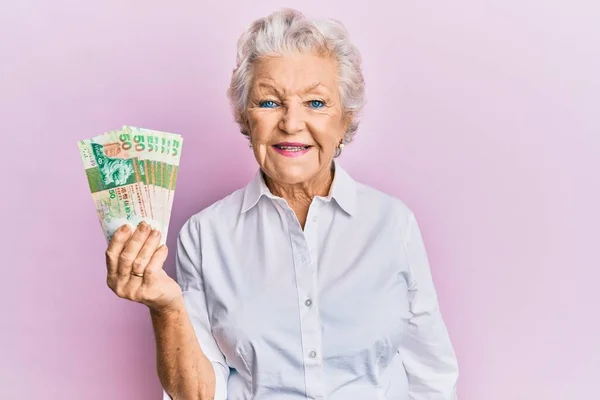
[(345, 309)]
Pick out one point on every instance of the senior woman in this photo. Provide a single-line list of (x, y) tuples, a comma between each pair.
[(305, 284)]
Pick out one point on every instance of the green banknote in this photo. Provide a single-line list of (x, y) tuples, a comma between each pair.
[(131, 174), (163, 151)]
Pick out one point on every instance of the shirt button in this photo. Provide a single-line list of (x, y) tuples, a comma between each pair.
[(308, 303), (312, 354), (315, 219)]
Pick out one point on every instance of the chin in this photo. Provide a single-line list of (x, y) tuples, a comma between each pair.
[(293, 177), (293, 174)]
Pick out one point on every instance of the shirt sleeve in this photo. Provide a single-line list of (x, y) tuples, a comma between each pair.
[(427, 352), (188, 267)]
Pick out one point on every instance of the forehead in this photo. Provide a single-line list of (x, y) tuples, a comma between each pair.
[(296, 71)]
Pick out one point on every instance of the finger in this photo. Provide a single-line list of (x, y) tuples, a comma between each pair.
[(131, 250), (155, 265), (116, 245), (146, 252)]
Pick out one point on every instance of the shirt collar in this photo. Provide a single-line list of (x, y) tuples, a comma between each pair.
[(343, 190), (254, 191)]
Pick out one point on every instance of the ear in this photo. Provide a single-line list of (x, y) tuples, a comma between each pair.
[(347, 120), (244, 124)]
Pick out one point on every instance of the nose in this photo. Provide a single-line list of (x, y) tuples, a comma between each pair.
[(292, 121)]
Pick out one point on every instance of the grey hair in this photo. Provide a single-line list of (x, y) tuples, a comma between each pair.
[(288, 30)]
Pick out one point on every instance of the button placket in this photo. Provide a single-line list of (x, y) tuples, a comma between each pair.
[(303, 247)]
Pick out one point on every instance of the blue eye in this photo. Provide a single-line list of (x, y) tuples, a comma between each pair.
[(267, 104), (316, 103)]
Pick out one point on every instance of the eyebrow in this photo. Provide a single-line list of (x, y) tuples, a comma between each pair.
[(311, 87), (303, 91), (269, 86)]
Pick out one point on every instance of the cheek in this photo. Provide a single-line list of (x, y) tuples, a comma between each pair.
[(261, 124), (252, 120), (327, 131)]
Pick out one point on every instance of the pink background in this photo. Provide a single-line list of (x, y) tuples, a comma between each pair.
[(484, 116)]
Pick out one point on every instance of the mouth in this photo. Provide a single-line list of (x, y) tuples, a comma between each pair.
[(291, 149)]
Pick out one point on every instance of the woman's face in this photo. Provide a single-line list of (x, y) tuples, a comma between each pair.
[(295, 116)]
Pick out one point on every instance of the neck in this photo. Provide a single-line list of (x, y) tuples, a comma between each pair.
[(300, 195)]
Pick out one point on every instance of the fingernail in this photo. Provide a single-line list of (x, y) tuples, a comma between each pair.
[(124, 228), (155, 233), (143, 226)]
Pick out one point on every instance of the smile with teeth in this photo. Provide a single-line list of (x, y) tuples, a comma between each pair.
[(292, 148)]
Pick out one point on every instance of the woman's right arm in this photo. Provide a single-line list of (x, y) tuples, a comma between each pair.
[(184, 369)]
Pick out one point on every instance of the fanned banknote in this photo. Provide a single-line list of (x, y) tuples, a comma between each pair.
[(132, 174)]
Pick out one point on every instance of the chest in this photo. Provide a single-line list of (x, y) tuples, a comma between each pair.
[(331, 288)]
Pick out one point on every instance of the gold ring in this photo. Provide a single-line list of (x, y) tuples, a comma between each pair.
[(137, 274)]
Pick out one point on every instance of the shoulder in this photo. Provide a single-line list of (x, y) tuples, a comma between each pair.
[(385, 205), (381, 201), (222, 213)]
